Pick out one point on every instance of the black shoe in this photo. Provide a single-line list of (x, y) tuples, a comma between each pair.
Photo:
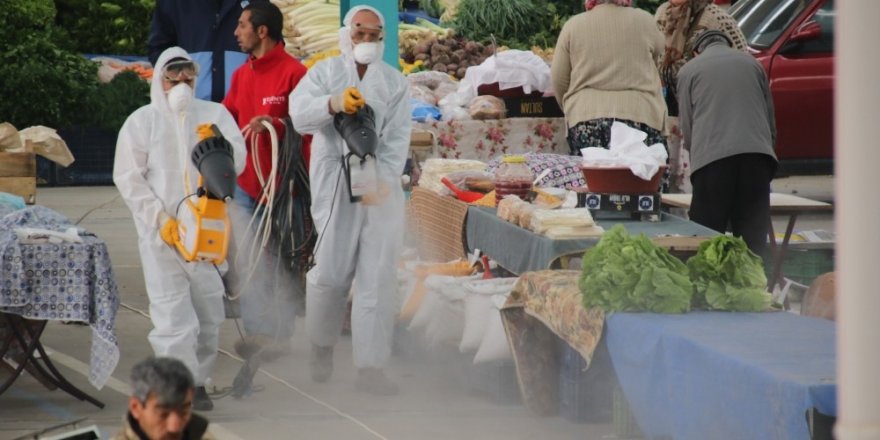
[(201, 401), (373, 381), (321, 363)]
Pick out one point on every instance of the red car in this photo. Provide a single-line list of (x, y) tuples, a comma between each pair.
[(794, 41)]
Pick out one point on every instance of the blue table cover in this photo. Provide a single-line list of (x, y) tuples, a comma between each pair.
[(717, 375)]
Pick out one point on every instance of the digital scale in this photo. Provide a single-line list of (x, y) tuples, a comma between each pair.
[(644, 207)]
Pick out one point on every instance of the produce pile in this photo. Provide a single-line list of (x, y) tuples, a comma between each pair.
[(628, 273), (310, 26), (441, 51)]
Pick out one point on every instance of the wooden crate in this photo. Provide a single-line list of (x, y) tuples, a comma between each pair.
[(18, 175)]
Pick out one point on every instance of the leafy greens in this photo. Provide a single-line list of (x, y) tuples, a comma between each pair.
[(728, 276), (631, 273)]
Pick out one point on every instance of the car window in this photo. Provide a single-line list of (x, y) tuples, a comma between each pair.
[(763, 21), (824, 16)]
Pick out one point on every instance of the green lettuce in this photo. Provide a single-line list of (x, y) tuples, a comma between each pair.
[(727, 276), (632, 274)]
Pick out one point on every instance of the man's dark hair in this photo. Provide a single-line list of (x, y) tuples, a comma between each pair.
[(166, 378), (266, 14), (710, 37)]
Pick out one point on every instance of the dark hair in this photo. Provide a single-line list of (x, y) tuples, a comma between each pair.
[(165, 377), (266, 14), (710, 37)]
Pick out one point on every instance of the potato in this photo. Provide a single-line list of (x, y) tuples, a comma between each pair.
[(439, 68), (461, 72), (422, 56)]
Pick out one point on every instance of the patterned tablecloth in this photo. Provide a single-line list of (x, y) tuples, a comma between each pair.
[(61, 282), (544, 305), (483, 140)]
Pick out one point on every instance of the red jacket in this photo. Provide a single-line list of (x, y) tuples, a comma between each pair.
[(261, 87)]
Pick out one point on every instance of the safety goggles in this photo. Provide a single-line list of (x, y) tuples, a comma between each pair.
[(366, 33), (181, 70)]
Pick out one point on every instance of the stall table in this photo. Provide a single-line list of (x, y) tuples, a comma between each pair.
[(699, 375), (484, 140), (70, 282), (719, 375), (780, 204), (519, 250)]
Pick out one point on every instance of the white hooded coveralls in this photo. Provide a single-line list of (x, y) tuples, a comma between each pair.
[(357, 243), (152, 155)]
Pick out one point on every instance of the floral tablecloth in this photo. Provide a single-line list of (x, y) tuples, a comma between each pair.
[(63, 282), (542, 306), (483, 140)]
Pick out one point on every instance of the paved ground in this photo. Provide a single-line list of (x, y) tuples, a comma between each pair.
[(437, 400)]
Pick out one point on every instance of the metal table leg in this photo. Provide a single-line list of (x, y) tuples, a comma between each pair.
[(30, 343)]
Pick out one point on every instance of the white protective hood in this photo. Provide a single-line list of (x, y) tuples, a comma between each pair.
[(345, 44)]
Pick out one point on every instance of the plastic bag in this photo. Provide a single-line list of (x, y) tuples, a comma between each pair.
[(444, 90), (627, 148), (422, 93), (46, 142), (422, 111), (447, 322), (478, 307), (487, 107), (10, 140), (494, 346), (431, 79), (510, 69)]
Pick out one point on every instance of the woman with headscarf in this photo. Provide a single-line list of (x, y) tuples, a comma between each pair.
[(681, 21), (604, 71)]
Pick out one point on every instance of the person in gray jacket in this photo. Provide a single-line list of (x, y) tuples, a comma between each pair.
[(728, 126)]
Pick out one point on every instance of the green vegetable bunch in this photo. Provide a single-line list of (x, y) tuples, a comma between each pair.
[(728, 276), (632, 274), (479, 20)]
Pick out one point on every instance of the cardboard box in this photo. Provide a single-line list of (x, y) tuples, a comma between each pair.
[(18, 175), (533, 107)]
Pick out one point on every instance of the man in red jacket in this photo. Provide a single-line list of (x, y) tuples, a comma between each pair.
[(258, 93)]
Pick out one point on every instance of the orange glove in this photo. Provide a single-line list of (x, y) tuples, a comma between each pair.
[(169, 232), (349, 101)]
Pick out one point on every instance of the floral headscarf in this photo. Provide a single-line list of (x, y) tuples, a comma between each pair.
[(590, 4), (679, 19)]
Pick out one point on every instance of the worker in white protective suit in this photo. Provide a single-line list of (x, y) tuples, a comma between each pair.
[(358, 242), (153, 172)]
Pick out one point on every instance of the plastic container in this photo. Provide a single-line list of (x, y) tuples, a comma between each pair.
[(513, 176), (620, 180)]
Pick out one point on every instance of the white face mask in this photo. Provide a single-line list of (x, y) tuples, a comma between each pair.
[(179, 97), (366, 53)]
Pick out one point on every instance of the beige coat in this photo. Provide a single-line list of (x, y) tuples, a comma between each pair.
[(605, 66)]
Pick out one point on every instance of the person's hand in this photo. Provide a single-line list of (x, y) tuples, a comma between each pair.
[(349, 101), (256, 124), (169, 232)]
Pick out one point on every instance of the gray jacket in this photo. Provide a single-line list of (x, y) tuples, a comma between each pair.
[(725, 106)]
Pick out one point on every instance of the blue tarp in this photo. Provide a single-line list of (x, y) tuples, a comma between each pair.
[(717, 375)]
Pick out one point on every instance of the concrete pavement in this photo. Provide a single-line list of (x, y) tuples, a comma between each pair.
[(436, 400)]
